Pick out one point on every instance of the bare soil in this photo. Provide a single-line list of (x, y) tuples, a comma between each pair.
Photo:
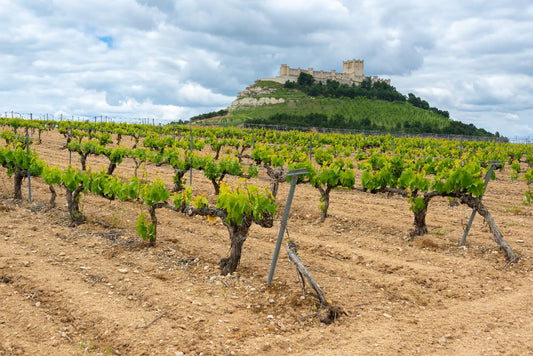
[(99, 289)]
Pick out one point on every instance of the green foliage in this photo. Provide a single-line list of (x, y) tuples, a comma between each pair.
[(261, 202), (305, 80), (209, 115), (117, 154), (133, 188), (529, 159), (51, 175), (17, 159), (253, 171), (250, 200), (112, 187), (467, 179), (14, 140), (528, 177), (217, 170), (73, 178), (381, 171), (182, 198), (92, 147), (414, 181), (515, 170), (200, 202), (145, 229), (268, 84), (417, 204), (154, 193), (338, 173), (323, 156)]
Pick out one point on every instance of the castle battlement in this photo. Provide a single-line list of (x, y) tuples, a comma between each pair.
[(352, 73)]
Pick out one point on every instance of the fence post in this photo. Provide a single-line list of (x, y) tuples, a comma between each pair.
[(294, 173), (190, 169), (311, 147), (29, 174), (69, 150), (487, 179)]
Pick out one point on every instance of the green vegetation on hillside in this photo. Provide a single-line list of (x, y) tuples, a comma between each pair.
[(333, 89), (209, 115), (368, 106)]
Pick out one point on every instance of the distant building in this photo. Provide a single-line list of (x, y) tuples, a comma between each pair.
[(352, 74)]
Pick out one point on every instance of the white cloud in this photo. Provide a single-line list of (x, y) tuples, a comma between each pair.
[(173, 58)]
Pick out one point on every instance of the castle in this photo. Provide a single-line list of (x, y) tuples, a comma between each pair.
[(352, 74)]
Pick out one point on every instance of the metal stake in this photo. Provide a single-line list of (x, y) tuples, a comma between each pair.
[(311, 147), (294, 173), (190, 168), (29, 175)]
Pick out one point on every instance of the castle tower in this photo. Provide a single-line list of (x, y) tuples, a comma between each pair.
[(284, 70), (353, 68)]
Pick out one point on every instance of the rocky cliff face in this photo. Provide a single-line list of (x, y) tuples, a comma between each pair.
[(253, 90), (251, 97), (253, 102)]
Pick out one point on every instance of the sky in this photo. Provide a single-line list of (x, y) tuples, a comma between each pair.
[(173, 59)]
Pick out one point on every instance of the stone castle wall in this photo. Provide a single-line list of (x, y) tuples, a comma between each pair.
[(352, 74)]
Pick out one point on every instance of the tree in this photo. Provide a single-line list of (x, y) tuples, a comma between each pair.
[(366, 84), (305, 80)]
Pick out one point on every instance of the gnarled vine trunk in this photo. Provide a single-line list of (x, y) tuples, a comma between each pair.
[(73, 205), (237, 234), (18, 176), (178, 180), (153, 217), (419, 223), (324, 193), (216, 183), (111, 168), (53, 196), (477, 205), (83, 160), (277, 176), (420, 216)]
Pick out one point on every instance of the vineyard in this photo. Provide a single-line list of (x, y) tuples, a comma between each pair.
[(141, 239)]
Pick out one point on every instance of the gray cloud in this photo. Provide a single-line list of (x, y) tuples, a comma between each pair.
[(178, 58)]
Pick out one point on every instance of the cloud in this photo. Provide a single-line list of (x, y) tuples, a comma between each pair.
[(173, 58)]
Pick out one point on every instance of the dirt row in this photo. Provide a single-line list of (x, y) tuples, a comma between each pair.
[(98, 289)]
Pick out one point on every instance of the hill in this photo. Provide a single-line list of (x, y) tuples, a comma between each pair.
[(368, 106)]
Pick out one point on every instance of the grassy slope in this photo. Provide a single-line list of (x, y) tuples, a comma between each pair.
[(382, 113)]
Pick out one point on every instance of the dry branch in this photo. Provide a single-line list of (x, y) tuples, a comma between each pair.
[(150, 323), (332, 311)]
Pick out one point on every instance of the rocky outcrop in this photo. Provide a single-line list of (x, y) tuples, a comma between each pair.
[(254, 96), (248, 102), (253, 90)]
